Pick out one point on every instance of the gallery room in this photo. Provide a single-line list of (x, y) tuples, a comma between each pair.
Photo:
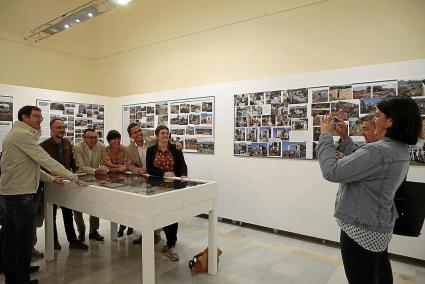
[(258, 99)]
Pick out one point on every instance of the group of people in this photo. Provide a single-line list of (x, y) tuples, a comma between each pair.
[(369, 176), (25, 165)]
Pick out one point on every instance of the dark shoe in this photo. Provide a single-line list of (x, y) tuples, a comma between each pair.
[(36, 254), (96, 236), (57, 245), (137, 241), (78, 245), (34, 268), (82, 236), (171, 253), (34, 281), (120, 233), (130, 231)]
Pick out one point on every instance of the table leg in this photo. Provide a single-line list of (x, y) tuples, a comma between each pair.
[(148, 256), (48, 231), (212, 241), (114, 233)]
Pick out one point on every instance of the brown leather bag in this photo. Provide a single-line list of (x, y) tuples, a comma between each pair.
[(199, 262)]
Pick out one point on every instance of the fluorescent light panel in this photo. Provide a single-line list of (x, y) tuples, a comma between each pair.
[(74, 17)]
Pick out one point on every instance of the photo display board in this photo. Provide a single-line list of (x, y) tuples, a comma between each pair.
[(6, 117), (286, 123), (191, 122), (77, 117)]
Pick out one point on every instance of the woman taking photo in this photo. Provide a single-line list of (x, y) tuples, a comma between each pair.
[(369, 178), (164, 160), (115, 158)]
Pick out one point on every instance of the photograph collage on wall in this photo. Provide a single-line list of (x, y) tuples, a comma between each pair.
[(416, 89), (271, 124), (258, 130), (77, 118), (6, 117), (191, 121)]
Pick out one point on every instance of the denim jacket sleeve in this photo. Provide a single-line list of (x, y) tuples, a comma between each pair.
[(363, 163)]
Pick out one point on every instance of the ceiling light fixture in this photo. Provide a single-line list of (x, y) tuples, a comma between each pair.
[(123, 2), (69, 19)]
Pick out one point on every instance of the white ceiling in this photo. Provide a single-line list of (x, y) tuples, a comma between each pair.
[(142, 23)]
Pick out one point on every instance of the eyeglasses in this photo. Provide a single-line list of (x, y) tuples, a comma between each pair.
[(90, 137)]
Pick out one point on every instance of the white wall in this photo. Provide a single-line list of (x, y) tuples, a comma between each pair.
[(283, 194)]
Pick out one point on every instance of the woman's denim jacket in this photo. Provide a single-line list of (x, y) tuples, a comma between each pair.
[(369, 178)]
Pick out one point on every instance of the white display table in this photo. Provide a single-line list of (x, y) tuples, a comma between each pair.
[(143, 203)]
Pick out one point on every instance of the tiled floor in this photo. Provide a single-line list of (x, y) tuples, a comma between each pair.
[(249, 256)]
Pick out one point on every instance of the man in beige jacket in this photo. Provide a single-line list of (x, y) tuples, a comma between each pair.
[(88, 155), (136, 153), (20, 176)]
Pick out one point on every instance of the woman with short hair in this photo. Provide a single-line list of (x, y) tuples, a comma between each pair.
[(369, 179), (164, 160), (115, 158)]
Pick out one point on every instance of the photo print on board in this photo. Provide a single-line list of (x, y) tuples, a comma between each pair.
[(204, 130), (195, 107), (294, 150), (297, 96), (411, 88), (343, 92), (320, 95), (207, 106), (240, 134), (259, 150), (205, 145), (275, 148), (206, 118), (345, 109), (6, 109), (361, 92), (281, 132), (274, 97), (299, 111), (252, 134), (417, 153), (175, 109), (368, 106), (240, 149), (241, 100), (161, 108), (384, 90), (256, 99)]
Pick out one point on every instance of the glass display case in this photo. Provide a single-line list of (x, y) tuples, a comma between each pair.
[(140, 184)]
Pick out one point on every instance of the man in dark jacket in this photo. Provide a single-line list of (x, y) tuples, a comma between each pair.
[(62, 151)]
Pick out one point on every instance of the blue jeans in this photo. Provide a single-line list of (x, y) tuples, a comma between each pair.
[(19, 222)]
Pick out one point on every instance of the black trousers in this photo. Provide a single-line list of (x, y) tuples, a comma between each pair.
[(171, 234), (122, 228), (363, 266), (18, 232), (68, 221)]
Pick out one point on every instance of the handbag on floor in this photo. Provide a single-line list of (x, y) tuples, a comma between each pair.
[(199, 262), (410, 203)]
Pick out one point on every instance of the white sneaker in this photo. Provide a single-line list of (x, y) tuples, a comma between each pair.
[(170, 253)]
